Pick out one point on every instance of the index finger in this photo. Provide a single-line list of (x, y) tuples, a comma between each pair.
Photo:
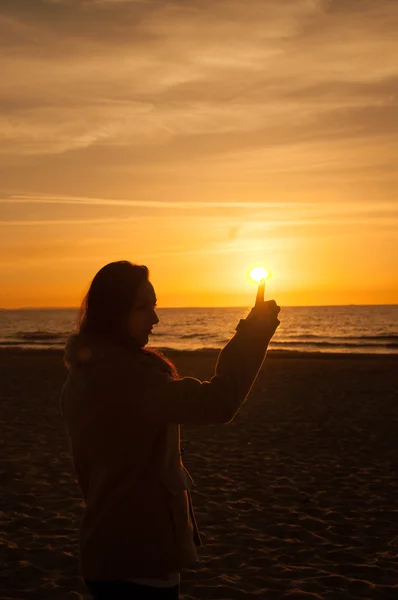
[(260, 293)]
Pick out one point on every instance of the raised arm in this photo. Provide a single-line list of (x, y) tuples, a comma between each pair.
[(190, 401)]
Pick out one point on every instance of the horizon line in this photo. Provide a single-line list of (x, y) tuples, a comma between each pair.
[(180, 307)]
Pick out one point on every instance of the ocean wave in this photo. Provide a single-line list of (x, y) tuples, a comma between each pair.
[(17, 343), (390, 337), (33, 336), (349, 343), (190, 336)]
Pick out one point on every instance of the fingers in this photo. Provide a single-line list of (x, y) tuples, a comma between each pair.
[(260, 293), (273, 306), (263, 317)]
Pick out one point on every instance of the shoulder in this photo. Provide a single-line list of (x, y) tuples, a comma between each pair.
[(131, 370)]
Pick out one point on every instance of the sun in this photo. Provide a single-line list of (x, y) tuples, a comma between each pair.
[(258, 273)]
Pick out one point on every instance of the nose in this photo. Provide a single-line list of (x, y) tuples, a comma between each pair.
[(156, 319)]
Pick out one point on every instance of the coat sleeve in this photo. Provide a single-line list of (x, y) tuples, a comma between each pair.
[(164, 400)]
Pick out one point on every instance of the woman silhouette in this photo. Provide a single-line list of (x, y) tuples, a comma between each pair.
[(123, 407)]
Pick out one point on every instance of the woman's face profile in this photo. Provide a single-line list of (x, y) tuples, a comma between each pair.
[(142, 316)]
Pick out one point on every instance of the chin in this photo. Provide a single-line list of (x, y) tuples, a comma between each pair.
[(140, 340), (144, 341)]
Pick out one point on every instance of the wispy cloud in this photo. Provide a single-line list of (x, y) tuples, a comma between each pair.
[(42, 199), (21, 209), (128, 75)]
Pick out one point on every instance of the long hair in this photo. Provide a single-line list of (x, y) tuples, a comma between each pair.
[(105, 308)]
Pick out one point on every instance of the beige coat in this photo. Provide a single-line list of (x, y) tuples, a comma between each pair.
[(123, 415)]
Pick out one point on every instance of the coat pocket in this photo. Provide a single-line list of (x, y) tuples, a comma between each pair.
[(176, 486)]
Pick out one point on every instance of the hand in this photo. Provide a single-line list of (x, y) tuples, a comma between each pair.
[(264, 314)]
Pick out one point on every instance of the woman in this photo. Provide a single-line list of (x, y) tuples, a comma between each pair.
[(123, 406)]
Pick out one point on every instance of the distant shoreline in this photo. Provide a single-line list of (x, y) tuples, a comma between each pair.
[(213, 353)]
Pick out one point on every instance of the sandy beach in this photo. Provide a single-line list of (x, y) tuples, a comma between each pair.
[(297, 498)]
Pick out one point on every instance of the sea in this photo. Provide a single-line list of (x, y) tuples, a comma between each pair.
[(324, 329)]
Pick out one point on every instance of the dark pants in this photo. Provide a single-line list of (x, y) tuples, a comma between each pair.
[(128, 590)]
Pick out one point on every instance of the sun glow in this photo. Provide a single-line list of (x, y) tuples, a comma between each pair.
[(259, 273)]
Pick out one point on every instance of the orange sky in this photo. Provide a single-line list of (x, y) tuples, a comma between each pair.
[(200, 138)]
